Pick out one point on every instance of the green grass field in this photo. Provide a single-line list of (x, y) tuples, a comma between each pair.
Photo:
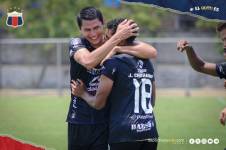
[(41, 120)]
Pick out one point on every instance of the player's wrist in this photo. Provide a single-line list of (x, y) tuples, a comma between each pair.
[(188, 48), (116, 39)]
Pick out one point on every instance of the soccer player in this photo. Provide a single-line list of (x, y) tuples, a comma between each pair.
[(127, 88), (87, 127), (205, 67)]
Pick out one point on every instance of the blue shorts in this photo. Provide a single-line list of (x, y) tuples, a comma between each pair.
[(136, 145), (87, 137)]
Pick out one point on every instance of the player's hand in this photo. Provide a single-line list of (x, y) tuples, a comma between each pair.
[(126, 29), (110, 54), (77, 87), (223, 116), (183, 45)]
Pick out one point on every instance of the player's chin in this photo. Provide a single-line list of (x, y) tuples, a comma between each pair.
[(96, 42)]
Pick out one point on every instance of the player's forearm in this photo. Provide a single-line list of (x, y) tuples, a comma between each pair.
[(196, 62), (199, 65), (95, 57), (141, 50), (93, 101)]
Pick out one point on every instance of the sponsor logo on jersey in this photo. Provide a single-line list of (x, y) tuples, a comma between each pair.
[(136, 117), (141, 127)]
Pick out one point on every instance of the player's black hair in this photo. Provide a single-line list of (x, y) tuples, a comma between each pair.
[(221, 26), (113, 25), (89, 13)]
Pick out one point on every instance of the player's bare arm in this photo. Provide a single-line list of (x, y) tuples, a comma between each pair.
[(223, 116), (92, 59), (196, 62), (139, 49), (99, 100), (225, 84)]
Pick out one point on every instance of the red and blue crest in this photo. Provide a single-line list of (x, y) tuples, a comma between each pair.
[(14, 19)]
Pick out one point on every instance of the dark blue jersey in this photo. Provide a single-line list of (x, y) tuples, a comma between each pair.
[(221, 70), (80, 112), (131, 115)]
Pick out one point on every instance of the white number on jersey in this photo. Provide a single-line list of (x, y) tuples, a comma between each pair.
[(144, 98)]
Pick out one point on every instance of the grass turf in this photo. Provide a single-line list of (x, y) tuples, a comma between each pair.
[(41, 120)]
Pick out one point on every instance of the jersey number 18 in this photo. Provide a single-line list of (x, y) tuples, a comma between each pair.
[(142, 96)]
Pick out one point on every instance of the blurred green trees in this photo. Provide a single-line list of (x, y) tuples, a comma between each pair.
[(56, 18)]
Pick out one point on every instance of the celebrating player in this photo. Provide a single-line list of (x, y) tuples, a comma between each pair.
[(127, 87), (205, 67), (87, 127)]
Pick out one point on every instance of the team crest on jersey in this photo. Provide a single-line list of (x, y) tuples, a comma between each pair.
[(139, 67), (140, 64), (14, 19)]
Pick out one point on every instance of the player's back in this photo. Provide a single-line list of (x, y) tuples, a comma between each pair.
[(131, 112)]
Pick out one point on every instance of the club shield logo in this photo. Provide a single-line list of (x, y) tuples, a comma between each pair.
[(14, 19)]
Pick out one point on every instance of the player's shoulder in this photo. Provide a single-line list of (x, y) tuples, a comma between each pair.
[(221, 69), (76, 41), (222, 64), (120, 57), (113, 61)]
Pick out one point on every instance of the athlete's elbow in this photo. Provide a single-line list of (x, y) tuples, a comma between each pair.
[(154, 53), (99, 106), (88, 64)]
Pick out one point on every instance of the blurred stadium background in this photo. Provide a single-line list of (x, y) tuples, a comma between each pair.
[(34, 72)]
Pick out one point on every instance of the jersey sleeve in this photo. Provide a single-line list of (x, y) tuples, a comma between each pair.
[(74, 45), (152, 70), (221, 70), (110, 68)]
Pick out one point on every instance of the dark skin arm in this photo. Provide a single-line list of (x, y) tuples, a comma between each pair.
[(195, 61), (99, 100), (223, 116)]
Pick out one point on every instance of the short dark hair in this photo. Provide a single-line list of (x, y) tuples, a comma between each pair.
[(221, 26), (89, 13), (113, 25)]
